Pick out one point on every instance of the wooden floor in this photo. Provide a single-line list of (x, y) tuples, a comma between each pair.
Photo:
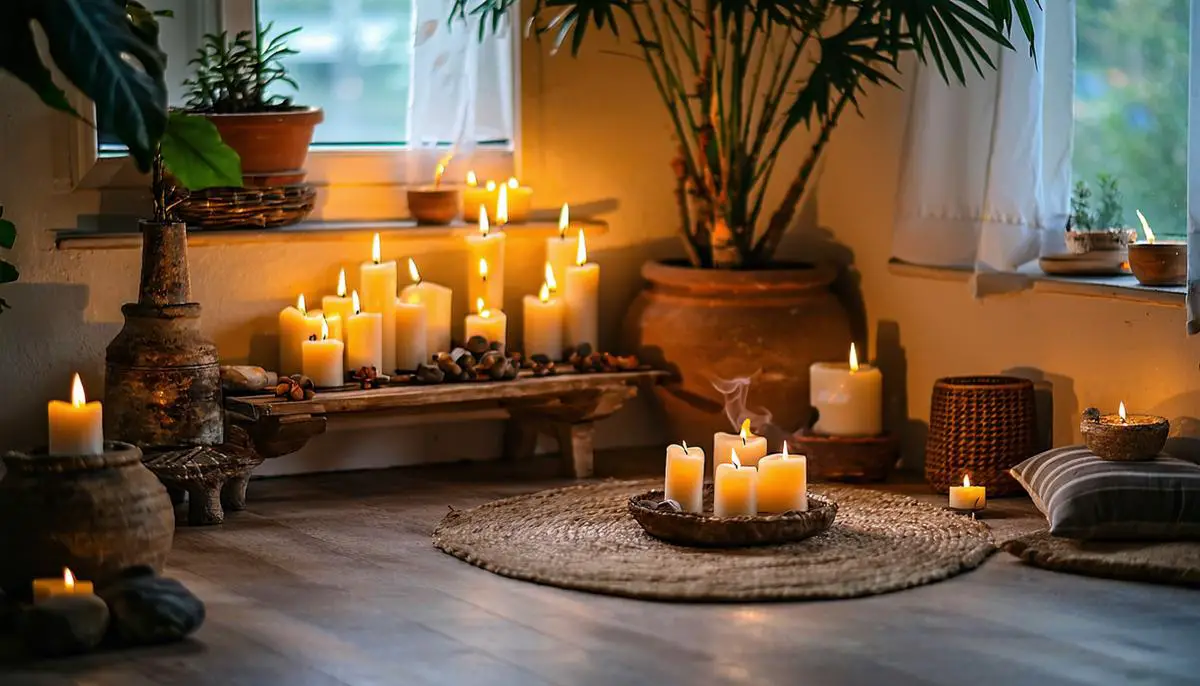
[(331, 580)]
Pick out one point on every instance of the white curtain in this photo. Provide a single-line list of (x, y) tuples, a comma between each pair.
[(986, 171)]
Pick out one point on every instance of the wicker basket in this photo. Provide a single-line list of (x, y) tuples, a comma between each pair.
[(981, 426), (262, 208)]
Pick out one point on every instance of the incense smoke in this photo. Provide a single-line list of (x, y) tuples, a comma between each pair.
[(736, 391)]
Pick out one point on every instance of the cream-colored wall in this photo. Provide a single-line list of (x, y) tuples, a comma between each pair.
[(594, 134)]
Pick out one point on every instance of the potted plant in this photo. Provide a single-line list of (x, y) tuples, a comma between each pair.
[(231, 88), (738, 78), (1099, 229)]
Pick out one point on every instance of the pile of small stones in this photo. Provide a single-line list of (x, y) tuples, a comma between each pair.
[(478, 360), (585, 360), (295, 387)]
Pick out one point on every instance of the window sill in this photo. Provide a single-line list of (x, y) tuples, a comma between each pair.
[(311, 232), (1124, 288)]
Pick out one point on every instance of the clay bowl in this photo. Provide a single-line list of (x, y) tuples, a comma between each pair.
[(707, 531), (1140, 438), (433, 205), (1163, 263)]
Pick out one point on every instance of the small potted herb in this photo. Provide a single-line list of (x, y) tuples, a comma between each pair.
[(230, 87), (1100, 228)]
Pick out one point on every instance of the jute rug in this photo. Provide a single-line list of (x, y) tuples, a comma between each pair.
[(583, 538), (1163, 562)]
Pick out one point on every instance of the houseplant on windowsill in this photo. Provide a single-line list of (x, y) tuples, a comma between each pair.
[(738, 78), (1099, 229)]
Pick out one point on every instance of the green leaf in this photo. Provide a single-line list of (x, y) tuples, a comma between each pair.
[(8, 234), (194, 153), (8, 273), (96, 46), (19, 56)]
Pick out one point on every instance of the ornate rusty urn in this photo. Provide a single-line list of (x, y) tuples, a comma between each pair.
[(162, 380)]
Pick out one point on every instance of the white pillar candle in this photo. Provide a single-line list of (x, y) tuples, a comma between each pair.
[(512, 202), (296, 324), (491, 324), (437, 300), (66, 584), (485, 265), (412, 335), (364, 339), (685, 477), (561, 251), (968, 497), (337, 327), (581, 297), (475, 196), (735, 490), (783, 482), (378, 283), (750, 448), (848, 397), (324, 359), (76, 427), (543, 325)]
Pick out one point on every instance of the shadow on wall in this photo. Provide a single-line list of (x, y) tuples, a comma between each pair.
[(1184, 441), (892, 360), (1056, 405)]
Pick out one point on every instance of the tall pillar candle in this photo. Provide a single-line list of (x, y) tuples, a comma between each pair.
[(296, 325), (750, 448), (324, 359), (437, 300), (848, 397), (543, 325), (582, 299), (783, 482), (377, 280), (338, 305), (412, 335), (685, 477), (735, 490), (364, 338), (76, 427), (561, 250), (485, 265), (491, 324)]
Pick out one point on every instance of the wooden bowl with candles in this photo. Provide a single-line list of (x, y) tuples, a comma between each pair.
[(434, 204), (1158, 263), (663, 521), (1124, 437)]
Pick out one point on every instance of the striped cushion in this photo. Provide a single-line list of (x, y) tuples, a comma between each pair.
[(1086, 497)]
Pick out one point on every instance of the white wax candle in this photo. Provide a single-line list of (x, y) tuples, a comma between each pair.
[(582, 300), (378, 283), (543, 325), (364, 339), (296, 325), (412, 335), (735, 490), (561, 250), (750, 448), (67, 584), (848, 397), (685, 477), (338, 307), (76, 427), (324, 360), (783, 482), (968, 497), (486, 248), (438, 301), (491, 324), (512, 202), (476, 196)]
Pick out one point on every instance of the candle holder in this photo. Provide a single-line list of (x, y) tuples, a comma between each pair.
[(433, 205), (708, 531), (1163, 263), (853, 459), (1137, 437)]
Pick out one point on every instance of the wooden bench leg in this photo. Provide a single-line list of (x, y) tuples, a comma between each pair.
[(233, 493), (520, 439), (204, 505), (575, 442)]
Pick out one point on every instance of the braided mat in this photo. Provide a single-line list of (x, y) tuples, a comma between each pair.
[(583, 538), (1163, 562)]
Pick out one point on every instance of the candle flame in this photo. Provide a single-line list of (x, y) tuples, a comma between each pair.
[(324, 328), (437, 174), (300, 304), (564, 220), (684, 444), (78, 399), (1121, 411), (544, 293), (745, 432), (376, 250), (502, 206), (853, 359), (341, 289), (551, 282), (484, 227), (733, 458), (412, 271), (68, 579), (966, 481), (785, 455), (481, 308), (483, 269), (472, 181), (490, 186), (513, 183), (1145, 227), (357, 304), (581, 251)]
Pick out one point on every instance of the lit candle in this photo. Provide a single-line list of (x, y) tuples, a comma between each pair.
[(491, 324), (437, 301), (434, 205), (968, 497), (76, 427), (751, 448), (543, 325), (735, 489), (561, 250), (581, 295), (324, 359), (848, 397), (412, 335), (485, 264), (476, 196), (338, 305), (296, 325), (377, 280), (783, 482), (685, 477), (364, 338), (67, 584), (517, 201)]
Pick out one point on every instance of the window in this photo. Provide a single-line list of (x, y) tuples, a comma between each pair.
[(1131, 105)]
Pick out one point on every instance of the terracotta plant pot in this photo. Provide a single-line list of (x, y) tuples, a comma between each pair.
[(269, 142), (709, 324), (1159, 264), (1081, 242)]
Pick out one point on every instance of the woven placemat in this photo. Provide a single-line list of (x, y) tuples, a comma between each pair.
[(1167, 562), (583, 538)]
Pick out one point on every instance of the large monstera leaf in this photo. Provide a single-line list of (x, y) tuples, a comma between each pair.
[(194, 153)]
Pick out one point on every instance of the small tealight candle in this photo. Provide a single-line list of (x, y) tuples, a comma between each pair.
[(491, 324), (968, 497), (685, 477), (324, 359), (76, 427), (735, 489), (783, 482), (750, 448), (67, 584), (434, 205)]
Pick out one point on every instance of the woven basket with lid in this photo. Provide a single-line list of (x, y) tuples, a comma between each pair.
[(981, 426)]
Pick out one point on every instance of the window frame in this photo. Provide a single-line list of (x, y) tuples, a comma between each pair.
[(357, 182)]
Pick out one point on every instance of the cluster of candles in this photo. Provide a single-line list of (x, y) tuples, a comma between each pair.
[(377, 326)]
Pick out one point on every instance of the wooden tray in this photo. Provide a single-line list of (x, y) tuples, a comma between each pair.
[(707, 531)]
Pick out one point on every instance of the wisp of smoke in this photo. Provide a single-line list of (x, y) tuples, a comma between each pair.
[(736, 391)]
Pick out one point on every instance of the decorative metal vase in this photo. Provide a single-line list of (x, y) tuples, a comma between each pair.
[(162, 380)]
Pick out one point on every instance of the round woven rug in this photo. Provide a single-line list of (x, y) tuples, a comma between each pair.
[(583, 538), (1163, 562)]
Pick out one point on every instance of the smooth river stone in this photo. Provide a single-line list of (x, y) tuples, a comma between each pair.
[(65, 625), (148, 609), (246, 379)]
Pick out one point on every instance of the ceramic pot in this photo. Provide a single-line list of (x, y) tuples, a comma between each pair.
[(95, 514), (1159, 264), (712, 324), (1081, 242), (269, 142)]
